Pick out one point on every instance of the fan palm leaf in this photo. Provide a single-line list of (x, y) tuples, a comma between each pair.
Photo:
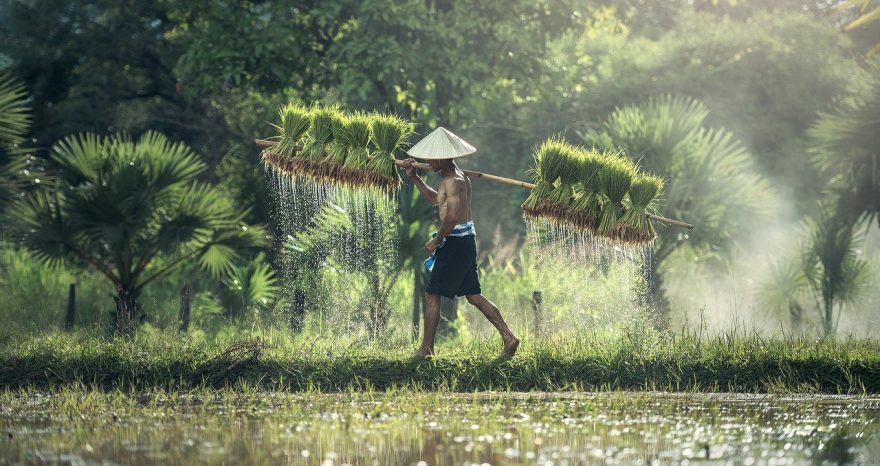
[(15, 121), (133, 211)]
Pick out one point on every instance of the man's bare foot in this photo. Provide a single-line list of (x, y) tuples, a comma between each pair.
[(422, 354), (510, 346)]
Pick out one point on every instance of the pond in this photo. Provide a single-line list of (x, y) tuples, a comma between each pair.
[(407, 428)]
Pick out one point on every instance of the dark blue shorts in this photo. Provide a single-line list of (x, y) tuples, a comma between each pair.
[(455, 268)]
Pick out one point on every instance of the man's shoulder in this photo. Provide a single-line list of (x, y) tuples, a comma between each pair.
[(453, 183)]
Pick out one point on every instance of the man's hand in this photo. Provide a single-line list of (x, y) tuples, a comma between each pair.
[(411, 171), (431, 246)]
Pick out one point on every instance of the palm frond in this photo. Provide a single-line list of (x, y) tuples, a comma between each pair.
[(711, 178), (15, 116)]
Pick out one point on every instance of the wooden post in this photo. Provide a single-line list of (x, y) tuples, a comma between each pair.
[(185, 294), (70, 316), (537, 301)]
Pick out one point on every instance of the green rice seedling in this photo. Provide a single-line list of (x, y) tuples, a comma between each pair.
[(336, 149), (643, 193), (355, 136), (569, 166), (320, 133), (587, 205), (543, 185), (295, 122), (615, 179), (388, 133), (550, 162)]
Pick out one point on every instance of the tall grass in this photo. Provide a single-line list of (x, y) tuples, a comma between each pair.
[(634, 360), (33, 297)]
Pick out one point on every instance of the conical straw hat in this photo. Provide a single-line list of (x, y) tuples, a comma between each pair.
[(441, 144)]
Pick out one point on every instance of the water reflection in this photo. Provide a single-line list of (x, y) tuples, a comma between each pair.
[(441, 429)]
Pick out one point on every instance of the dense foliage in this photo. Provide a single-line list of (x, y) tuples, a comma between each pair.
[(786, 80)]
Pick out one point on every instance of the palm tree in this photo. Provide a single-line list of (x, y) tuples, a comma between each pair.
[(832, 266), (15, 121), (247, 286), (711, 178), (846, 148), (783, 291), (132, 211)]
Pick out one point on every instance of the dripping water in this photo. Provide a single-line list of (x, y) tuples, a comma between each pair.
[(600, 282), (337, 249)]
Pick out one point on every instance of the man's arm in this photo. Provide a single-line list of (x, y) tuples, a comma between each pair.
[(427, 192)]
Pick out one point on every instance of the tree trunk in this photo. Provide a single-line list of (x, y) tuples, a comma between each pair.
[(128, 314), (827, 322)]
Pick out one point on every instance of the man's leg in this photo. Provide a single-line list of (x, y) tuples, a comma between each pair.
[(490, 310), (432, 320)]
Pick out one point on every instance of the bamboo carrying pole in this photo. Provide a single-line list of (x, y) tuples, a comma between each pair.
[(498, 179)]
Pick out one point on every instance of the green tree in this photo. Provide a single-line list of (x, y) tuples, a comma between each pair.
[(96, 65), (711, 177), (782, 292), (420, 58), (834, 270), (763, 76), (133, 212), (846, 148)]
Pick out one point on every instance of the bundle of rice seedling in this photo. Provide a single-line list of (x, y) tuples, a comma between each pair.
[(559, 199), (586, 189), (549, 163), (317, 138), (635, 225), (295, 121), (355, 136), (388, 133), (615, 178), (336, 150), (586, 207)]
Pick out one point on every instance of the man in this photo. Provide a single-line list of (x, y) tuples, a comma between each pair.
[(453, 249)]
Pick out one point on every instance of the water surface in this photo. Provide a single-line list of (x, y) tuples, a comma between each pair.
[(438, 429)]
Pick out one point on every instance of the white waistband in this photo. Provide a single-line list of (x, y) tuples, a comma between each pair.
[(464, 229)]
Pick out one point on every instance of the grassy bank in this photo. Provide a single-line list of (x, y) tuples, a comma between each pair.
[(271, 360)]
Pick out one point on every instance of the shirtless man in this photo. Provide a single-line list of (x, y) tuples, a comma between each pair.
[(454, 271)]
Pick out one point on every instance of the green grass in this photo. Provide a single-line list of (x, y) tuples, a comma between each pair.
[(638, 360)]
